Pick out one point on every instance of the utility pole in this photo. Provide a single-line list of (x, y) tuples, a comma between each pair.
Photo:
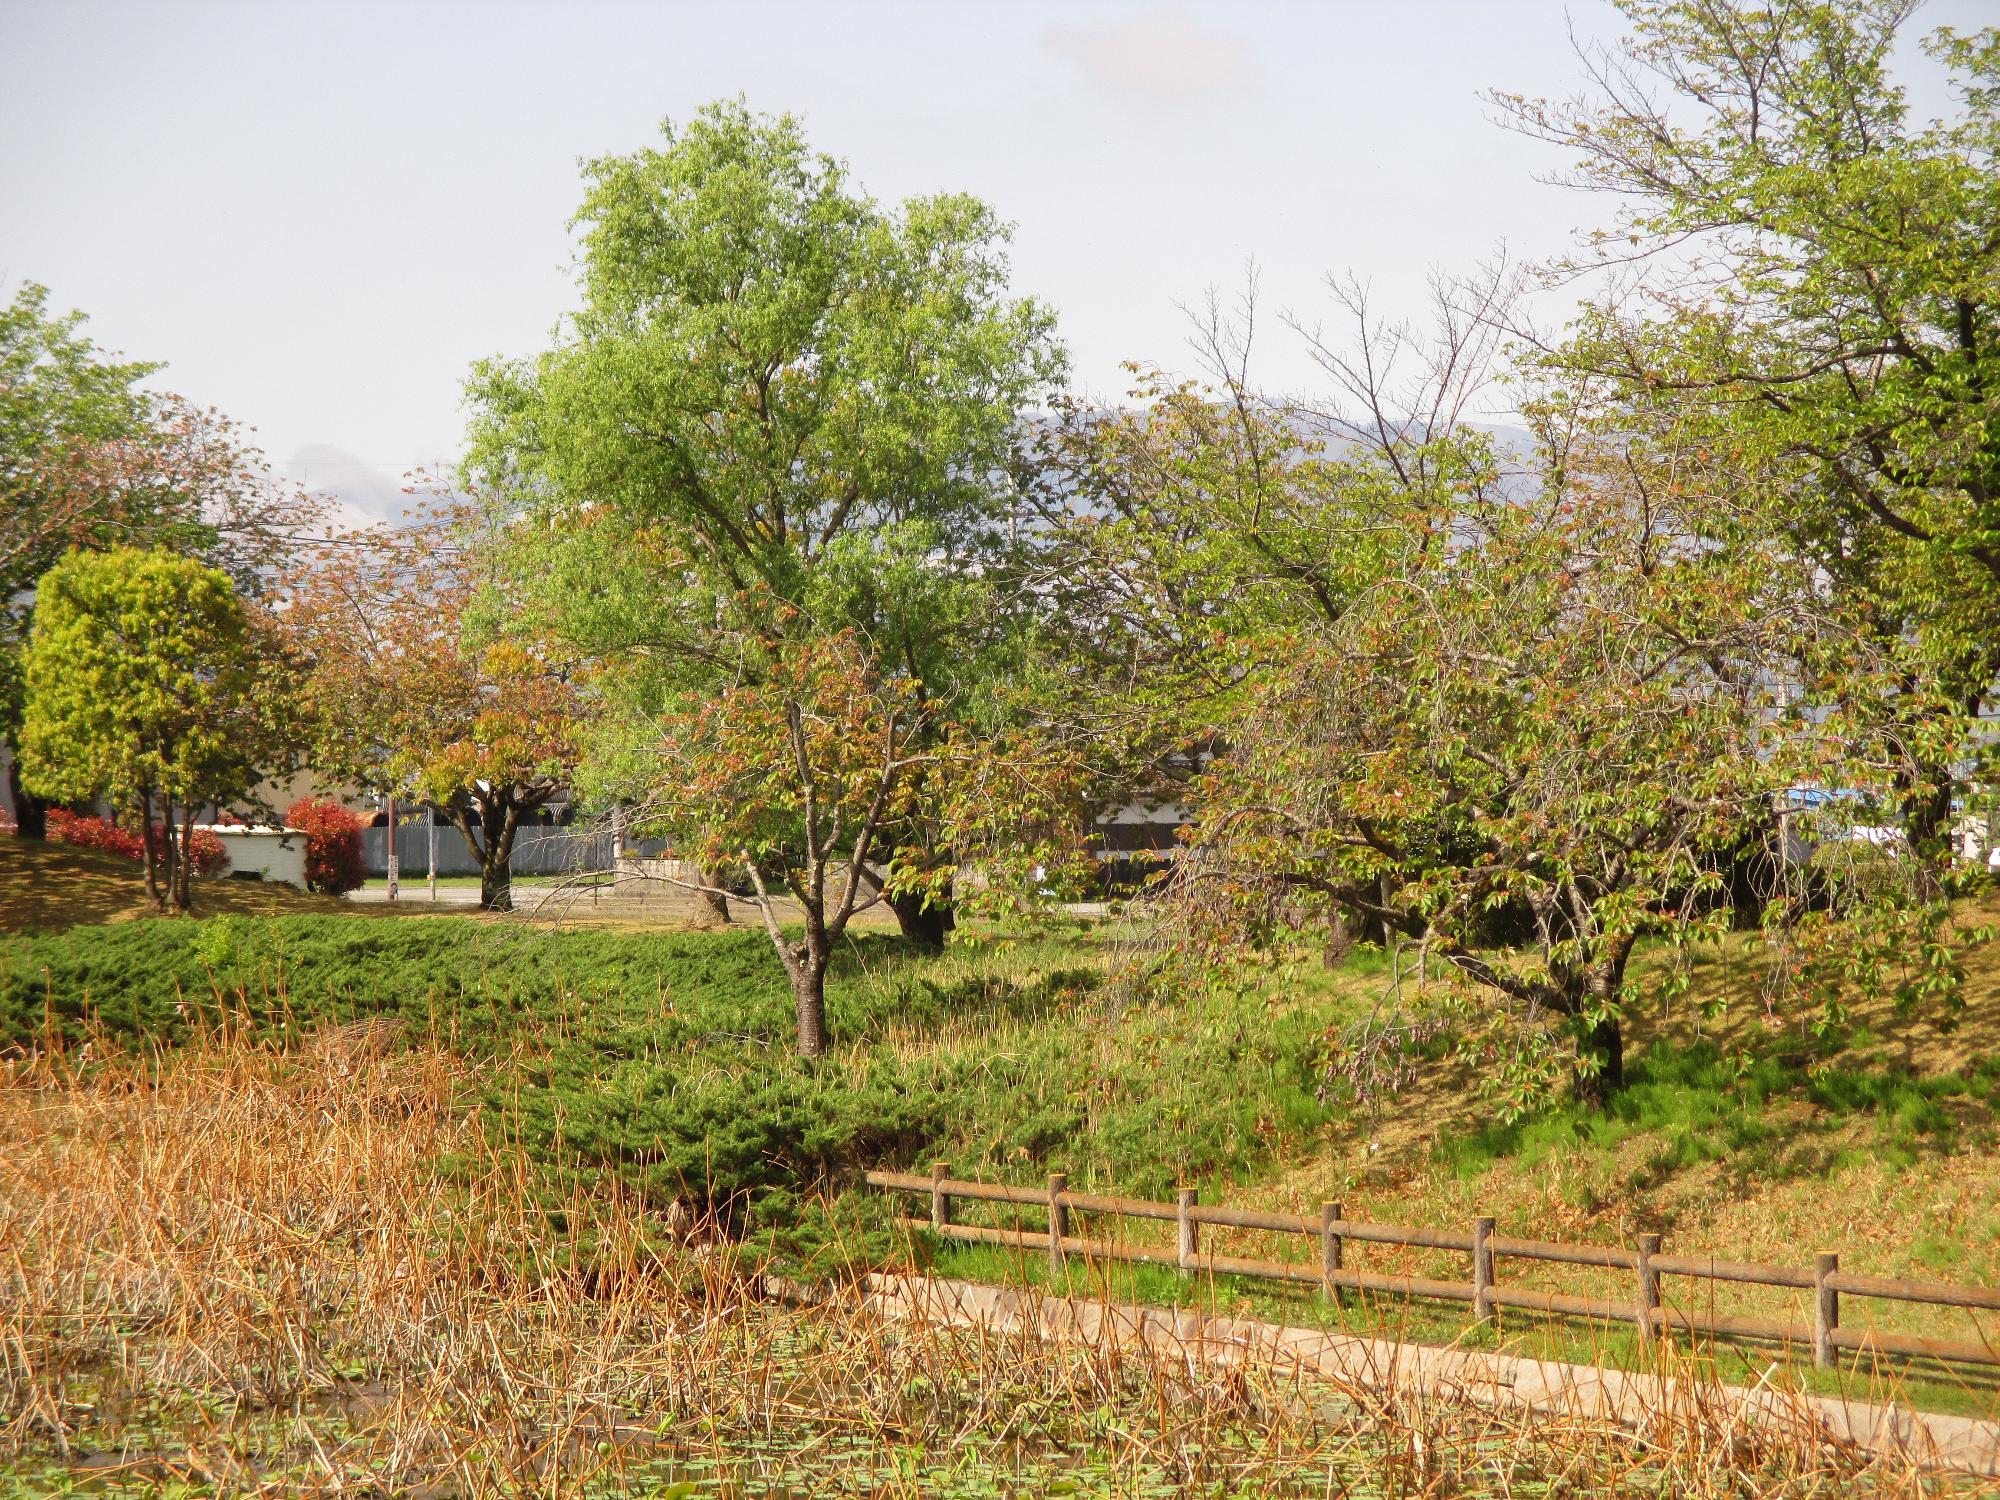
[(392, 846)]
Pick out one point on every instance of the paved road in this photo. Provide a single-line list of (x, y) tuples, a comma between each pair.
[(416, 893), (637, 902)]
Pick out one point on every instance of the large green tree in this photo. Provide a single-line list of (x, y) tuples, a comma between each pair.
[(769, 446), (1548, 727), (60, 398), (1513, 706), (90, 458), (1182, 544), (1814, 276), (144, 688)]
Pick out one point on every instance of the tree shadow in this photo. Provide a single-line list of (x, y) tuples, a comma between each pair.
[(48, 887)]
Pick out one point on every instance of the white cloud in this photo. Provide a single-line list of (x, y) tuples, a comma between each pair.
[(1160, 55)]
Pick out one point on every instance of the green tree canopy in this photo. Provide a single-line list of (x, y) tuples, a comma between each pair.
[(779, 419), (143, 687), (1815, 276), (89, 458)]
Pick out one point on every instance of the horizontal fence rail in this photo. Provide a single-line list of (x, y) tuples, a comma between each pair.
[(1647, 1309), (537, 850)]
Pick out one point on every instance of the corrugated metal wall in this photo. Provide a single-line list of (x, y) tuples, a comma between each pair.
[(537, 851)]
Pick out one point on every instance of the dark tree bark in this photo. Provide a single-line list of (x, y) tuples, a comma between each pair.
[(149, 844), (711, 906), (488, 825), (1604, 986), (1607, 1050), (184, 871), (496, 887), (1926, 818), (807, 959), (1339, 942), (171, 860), (31, 813), (926, 921), (498, 819), (809, 1000)]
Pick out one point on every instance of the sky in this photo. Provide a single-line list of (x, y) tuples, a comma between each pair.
[(320, 214)]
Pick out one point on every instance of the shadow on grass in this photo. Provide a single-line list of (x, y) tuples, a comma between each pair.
[(1780, 1116), (48, 887)]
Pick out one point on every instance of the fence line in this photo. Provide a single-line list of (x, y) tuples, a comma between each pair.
[(1648, 1309), (538, 850)]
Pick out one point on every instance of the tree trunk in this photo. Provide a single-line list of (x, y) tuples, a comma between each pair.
[(482, 838), (1339, 942), (1925, 802), (711, 906), (1605, 1042), (170, 864), (1607, 1049), (31, 813), (184, 868), (496, 874), (1926, 818), (926, 920), (496, 887), (808, 971), (149, 844)]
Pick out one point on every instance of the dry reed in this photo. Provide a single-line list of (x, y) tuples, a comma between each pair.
[(258, 1271)]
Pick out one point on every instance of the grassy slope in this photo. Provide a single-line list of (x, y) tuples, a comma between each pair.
[(1741, 1136), (663, 1056), (1738, 1136)]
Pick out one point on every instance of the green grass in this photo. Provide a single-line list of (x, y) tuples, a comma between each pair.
[(1762, 1120), (1966, 1391), (666, 1057)]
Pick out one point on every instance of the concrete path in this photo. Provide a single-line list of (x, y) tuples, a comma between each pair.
[(416, 894), (1633, 1401)]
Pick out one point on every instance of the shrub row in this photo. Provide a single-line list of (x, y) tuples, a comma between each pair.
[(78, 831)]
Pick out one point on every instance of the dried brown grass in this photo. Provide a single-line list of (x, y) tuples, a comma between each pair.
[(261, 1271)]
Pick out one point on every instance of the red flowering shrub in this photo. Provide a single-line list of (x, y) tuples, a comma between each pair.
[(333, 845), (93, 833), (210, 858)]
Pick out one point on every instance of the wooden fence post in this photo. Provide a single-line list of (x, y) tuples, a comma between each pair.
[(1482, 1270), (1058, 1220), (1647, 1308), (1329, 1248), (1826, 1308), (1188, 1240), (940, 1199), (1649, 1286)]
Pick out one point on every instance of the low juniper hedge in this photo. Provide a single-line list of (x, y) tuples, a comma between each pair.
[(666, 1058)]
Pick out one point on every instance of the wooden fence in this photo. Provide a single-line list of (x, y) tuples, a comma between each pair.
[(1647, 1308)]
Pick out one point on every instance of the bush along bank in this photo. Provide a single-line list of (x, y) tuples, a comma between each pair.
[(665, 1058)]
